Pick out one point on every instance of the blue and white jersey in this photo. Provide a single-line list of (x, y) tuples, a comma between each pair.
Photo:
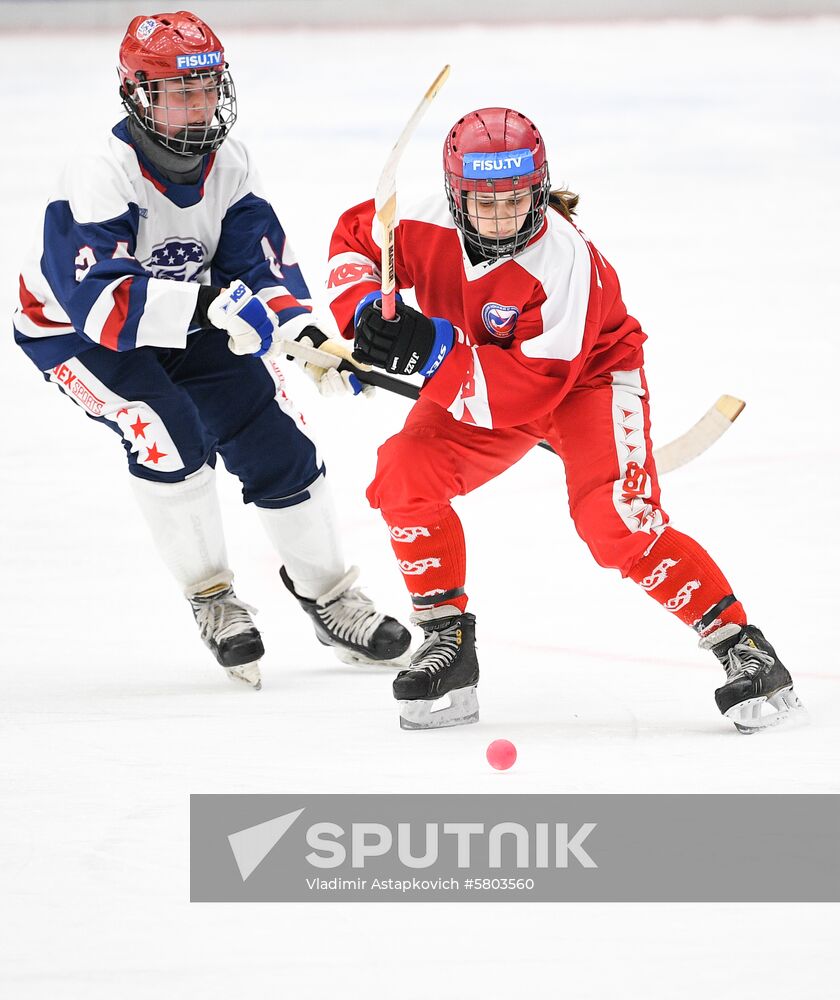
[(122, 253)]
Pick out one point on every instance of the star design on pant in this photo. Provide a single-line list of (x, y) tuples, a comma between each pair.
[(642, 518), (139, 427), (154, 455)]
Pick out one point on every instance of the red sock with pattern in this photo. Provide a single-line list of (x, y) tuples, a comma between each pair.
[(682, 576), (433, 560)]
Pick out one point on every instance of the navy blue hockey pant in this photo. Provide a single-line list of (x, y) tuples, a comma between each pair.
[(175, 409)]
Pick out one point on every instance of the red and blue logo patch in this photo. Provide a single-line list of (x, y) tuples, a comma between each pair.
[(146, 28), (500, 320)]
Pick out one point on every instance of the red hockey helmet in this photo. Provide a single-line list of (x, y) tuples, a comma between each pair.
[(174, 82), (490, 152)]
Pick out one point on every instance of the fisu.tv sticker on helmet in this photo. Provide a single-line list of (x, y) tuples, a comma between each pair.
[(199, 60), (497, 165), (146, 28), (500, 320)]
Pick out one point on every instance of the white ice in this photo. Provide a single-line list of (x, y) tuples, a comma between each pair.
[(707, 156)]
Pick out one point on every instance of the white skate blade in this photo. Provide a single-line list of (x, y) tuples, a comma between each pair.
[(458, 708), (751, 717), (359, 659), (247, 672)]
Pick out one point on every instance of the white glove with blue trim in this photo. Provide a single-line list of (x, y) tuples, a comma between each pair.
[(333, 381), (249, 321)]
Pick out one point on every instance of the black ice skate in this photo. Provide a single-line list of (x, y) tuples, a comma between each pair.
[(438, 689), (228, 631), (346, 619), (756, 679)]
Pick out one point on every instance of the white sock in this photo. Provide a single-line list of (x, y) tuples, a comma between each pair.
[(307, 540), (186, 524), (433, 614)]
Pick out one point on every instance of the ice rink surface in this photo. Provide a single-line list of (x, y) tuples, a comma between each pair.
[(707, 156)]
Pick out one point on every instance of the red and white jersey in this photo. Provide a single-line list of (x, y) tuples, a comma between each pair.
[(528, 329)]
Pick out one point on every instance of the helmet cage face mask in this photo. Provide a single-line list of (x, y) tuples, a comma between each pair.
[(464, 192), (190, 115)]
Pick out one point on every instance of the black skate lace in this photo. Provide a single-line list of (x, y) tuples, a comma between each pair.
[(352, 617), (222, 616), (437, 651), (745, 660)]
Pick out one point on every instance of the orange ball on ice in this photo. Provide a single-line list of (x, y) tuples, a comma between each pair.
[(501, 754)]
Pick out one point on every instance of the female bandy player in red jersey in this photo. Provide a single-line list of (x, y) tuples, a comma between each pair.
[(529, 339), (161, 287)]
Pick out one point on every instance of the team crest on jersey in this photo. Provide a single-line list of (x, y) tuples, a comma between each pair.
[(500, 320), (179, 258), (146, 28)]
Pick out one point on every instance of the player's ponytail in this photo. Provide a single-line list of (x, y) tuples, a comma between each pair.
[(564, 201)]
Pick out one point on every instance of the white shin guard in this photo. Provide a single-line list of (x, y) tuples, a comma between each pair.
[(186, 524), (306, 538)]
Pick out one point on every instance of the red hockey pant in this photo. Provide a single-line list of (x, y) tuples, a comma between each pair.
[(601, 431)]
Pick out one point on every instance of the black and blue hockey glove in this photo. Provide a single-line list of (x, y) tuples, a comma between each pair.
[(409, 344)]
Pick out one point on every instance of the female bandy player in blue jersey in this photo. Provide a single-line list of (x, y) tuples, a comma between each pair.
[(156, 302)]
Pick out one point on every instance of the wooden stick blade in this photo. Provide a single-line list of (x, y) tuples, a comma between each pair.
[(387, 186), (712, 425), (439, 81), (730, 407), (385, 200)]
